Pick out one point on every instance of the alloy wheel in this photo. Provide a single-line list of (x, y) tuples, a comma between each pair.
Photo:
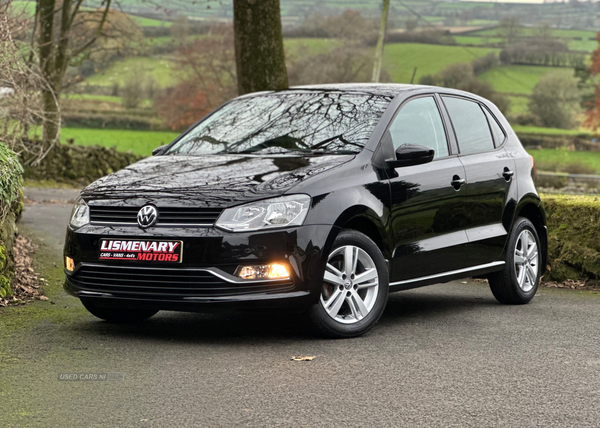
[(350, 286), (526, 261)]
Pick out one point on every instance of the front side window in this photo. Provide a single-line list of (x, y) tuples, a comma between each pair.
[(470, 124), (419, 122), (291, 121)]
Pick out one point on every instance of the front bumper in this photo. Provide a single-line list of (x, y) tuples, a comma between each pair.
[(204, 279)]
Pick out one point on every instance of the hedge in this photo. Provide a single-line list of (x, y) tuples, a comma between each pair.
[(573, 237), (111, 121), (67, 163), (11, 205)]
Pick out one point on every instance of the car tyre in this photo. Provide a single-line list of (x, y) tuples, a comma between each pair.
[(351, 304), (518, 282), (118, 315)]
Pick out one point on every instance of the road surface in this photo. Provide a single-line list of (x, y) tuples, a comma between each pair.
[(442, 356)]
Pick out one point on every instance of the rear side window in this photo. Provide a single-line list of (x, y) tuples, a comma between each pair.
[(419, 122), (499, 135), (470, 124)]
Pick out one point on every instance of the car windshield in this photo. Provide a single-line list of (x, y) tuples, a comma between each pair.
[(279, 123)]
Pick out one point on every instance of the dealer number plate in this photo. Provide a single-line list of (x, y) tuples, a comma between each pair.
[(141, 250)]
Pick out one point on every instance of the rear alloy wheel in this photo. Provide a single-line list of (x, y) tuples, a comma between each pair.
[(355, 287), (518, 282), (119, 315)]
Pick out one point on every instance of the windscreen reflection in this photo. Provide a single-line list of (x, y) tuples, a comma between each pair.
[(311, 122)]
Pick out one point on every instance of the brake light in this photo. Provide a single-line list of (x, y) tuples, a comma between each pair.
[(533, 168)]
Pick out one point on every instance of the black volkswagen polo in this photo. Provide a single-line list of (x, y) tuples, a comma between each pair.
[(318, 199)]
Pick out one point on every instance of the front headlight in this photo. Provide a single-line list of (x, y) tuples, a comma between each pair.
[(80, 216), (268, 214)]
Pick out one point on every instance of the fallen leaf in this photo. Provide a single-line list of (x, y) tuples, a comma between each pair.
[(303, 358)]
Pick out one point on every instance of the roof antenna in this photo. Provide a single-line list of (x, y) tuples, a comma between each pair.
[(413, 76)]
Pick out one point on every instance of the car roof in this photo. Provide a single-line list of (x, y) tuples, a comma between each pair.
[(381, 89), (384, 89)]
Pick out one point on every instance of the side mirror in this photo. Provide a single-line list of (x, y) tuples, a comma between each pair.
[(411, 154), (158, 150)]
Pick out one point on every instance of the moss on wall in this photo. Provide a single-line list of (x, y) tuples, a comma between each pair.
[(11, 206), (573, 236)]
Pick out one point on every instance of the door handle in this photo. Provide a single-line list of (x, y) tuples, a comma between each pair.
[(457, 182), (507, 174)]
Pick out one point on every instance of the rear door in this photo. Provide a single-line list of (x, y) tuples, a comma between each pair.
[(427, 212), (489, 174)]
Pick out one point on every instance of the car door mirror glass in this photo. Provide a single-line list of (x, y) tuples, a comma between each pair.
[(411, 154)]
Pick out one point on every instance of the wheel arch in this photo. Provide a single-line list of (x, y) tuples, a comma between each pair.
[(531, 208), (363, 219)]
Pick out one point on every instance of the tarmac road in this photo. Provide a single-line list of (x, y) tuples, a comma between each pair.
[(442, 356)]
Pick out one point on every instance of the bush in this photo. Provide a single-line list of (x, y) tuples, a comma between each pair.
[(461, 76), (11, 205), (573, 237), (555, 100), (345, 64), (132, 92), (79, 165), (546, 52), (483, 64), (110, 121), (11, 179), (430, 37)]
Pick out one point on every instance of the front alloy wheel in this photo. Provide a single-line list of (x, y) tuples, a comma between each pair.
[(350, 286), (354, 289)]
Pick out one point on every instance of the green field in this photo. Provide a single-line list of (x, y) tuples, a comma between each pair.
[(103, 98), (557, 159), (149, 22), (296, 48), (21, 8), (400, 59), (160, 69), (518, 79), (476, 40), (550, 131), (139, 142)]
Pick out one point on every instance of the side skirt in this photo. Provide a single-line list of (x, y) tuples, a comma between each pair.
[(447, 276)]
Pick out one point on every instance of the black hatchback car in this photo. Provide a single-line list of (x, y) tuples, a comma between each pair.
[(319, 199)]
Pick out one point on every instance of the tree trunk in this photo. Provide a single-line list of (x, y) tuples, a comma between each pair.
[(51, 119), (380, 40), (259, 55)]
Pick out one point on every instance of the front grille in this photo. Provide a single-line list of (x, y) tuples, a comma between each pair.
[(148, 282), (166, 216)]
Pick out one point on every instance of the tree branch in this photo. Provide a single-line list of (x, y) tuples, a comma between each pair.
[(98, 30)]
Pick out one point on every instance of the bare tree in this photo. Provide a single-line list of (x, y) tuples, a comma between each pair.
[(21, 83), (180, 29), (259, 53), (510, 29), (55, 50)]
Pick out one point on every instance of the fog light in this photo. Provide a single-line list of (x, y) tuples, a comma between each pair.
[(272, 271), (69, 264)]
